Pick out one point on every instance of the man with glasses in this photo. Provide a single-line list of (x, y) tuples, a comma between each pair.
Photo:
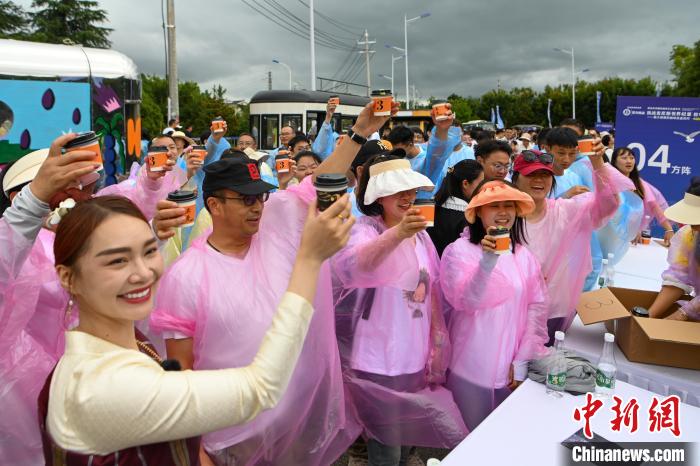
[(224, 287), (246, 140), (494, 156)]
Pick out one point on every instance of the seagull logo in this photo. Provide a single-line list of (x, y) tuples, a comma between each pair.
[(689, 138)]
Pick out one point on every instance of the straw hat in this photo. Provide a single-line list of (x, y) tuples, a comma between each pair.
[(24, 170), (181, 135), (497, 191), (394, 176), (685, 211)]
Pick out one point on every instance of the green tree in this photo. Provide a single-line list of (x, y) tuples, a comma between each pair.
[(14, 21), (685, 67), (55, 21)]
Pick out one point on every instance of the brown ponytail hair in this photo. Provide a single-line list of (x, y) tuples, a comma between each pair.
[(76, 227)]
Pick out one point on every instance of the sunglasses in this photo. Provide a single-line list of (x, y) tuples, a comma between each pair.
[(249, 199), (530, 156)]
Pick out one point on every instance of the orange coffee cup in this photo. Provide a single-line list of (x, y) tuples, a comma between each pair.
[(502, 236), (441, 111), (218, 125), (157, 158), (382, 105), (646, 238), (282, 162), (86, 141), (199, 153), (334, 100), (427, 210), (585, 146), (186, 200)]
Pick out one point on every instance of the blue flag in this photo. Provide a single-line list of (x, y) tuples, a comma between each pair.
[(493, 116), (499, 122), (549, 112), (598, 95)]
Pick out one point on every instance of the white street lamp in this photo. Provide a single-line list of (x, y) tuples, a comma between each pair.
[(406, 22), (288, 69), (573, 79)]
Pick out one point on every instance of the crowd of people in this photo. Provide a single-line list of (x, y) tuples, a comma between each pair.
[(264, 330)]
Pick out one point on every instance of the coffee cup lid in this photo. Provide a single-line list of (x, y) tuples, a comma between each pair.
[(381, 93), (424, 202), (218, 119), (199, 147), (82, 138), (282, 156), (182, 196), (499, 231), (157, 149), (331, 180)]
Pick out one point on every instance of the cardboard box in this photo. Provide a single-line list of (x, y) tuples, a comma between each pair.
[(652, 341)]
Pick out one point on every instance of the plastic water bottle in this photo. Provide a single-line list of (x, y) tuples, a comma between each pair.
[(646, 233), (611, 270), (607, 369), (603, 277), (556, 372)]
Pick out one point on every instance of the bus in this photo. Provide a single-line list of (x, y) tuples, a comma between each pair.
[(50, 89), (303, 110)]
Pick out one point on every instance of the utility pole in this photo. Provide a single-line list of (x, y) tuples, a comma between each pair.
[(269, 80), (312, 40), (172, 62), (367, 51)]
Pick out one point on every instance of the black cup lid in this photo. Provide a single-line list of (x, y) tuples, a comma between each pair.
[(199, 147), (182, 196), (499, 230), (334, 97), (424, 201), (218, 119), (81, 139), (585, 136), (331, 180), (381, 92), (282, 157), (158, 149)]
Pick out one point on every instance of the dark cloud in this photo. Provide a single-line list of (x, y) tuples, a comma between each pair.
[(463, 47)]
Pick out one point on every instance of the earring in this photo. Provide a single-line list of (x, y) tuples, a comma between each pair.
[(69, 309)]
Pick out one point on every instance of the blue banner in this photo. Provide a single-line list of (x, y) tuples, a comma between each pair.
[(598, 95), (664, 133), (499, 121)]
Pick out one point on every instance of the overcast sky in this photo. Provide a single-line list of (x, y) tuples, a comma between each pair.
[(465, 46)]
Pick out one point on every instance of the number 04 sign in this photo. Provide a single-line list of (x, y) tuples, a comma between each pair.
[(664, 133)]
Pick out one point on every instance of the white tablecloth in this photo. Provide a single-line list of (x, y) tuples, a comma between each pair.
[(528, 427), (640, 269)]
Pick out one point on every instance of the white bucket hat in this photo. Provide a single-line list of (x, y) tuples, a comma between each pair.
[(685, 211), (24, 170), (394, 176)]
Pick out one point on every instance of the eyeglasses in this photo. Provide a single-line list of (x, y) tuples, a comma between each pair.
[(249, 199), (500, 166), (530, 156)]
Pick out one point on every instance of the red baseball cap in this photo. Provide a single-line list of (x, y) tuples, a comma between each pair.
[(529, 161)]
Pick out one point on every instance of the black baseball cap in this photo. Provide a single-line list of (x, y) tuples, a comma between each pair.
[(369, 150), (241, 175)]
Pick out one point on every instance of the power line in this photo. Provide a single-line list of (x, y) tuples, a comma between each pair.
[(273, 16), (334, 22)]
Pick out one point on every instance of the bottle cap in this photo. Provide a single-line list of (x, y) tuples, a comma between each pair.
[(559, 335), (433, 462), (609, 337), (605, 262), (610, 256)]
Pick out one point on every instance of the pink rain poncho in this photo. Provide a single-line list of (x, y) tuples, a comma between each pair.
[(33, 321), (561, 241), (654, 205), (226, 305), (499, 319), (684, 268), (393, 339)]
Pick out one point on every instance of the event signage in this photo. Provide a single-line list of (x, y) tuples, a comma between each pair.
[(664, 133)]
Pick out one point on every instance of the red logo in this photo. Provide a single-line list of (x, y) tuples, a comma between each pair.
[(254, 173), (592, 406), (664, 415)]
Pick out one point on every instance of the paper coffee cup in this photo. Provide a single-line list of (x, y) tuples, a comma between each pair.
[(157, 158), (502, 236), (186, 200), (441, 111), (282, 162), (218, 124), (329, 188), (199, 153), (646, 237), (585, 146), (382, 105), (86, 141), (334, 100), (427, 210)]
